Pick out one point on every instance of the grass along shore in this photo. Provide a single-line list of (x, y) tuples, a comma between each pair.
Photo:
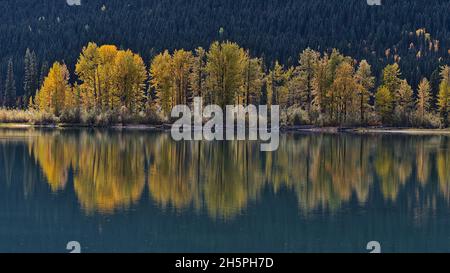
[(13, 117), (19, 119)]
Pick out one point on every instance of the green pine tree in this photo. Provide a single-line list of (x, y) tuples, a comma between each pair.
[(10, 87)]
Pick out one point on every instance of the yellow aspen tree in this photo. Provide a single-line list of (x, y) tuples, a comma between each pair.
[(72, 98), (404, 103), (391, 78), (444, 94), (423, 99), (129, 74), (225, 66), (52, 94), (198, 74), (106, 56), (161, 80), (301, 84), (344, 87), (181, 66), (365, 82), (253, 80), (87, 71), (383, 104), (320, 86)]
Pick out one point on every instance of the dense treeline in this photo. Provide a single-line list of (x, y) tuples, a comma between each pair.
[(272, 29), (322, 89)]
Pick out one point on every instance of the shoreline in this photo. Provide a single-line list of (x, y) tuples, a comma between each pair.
[(370, 130), (283, 129)]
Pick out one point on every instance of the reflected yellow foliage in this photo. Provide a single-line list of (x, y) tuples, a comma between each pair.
[(229, 182), (56, 155), (393, 166), (110, 170), (172, 181), (443, 169)]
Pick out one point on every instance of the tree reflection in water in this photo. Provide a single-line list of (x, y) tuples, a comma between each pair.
[(111, 170)]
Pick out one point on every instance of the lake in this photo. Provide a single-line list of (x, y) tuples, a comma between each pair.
[(140, 191)]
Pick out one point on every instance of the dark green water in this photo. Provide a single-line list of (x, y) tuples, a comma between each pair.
[(135, 191)]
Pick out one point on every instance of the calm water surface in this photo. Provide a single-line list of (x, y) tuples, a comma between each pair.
[(135, 191)]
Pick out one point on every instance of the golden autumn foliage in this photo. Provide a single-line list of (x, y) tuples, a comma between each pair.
[(323, 89), (51, 97), (444, 94), (223, 75), (111, 78), (161, 80), (423, 99), (225, 67)]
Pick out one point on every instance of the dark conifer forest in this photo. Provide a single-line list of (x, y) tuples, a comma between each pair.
[(300, 54), (272, 29)]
